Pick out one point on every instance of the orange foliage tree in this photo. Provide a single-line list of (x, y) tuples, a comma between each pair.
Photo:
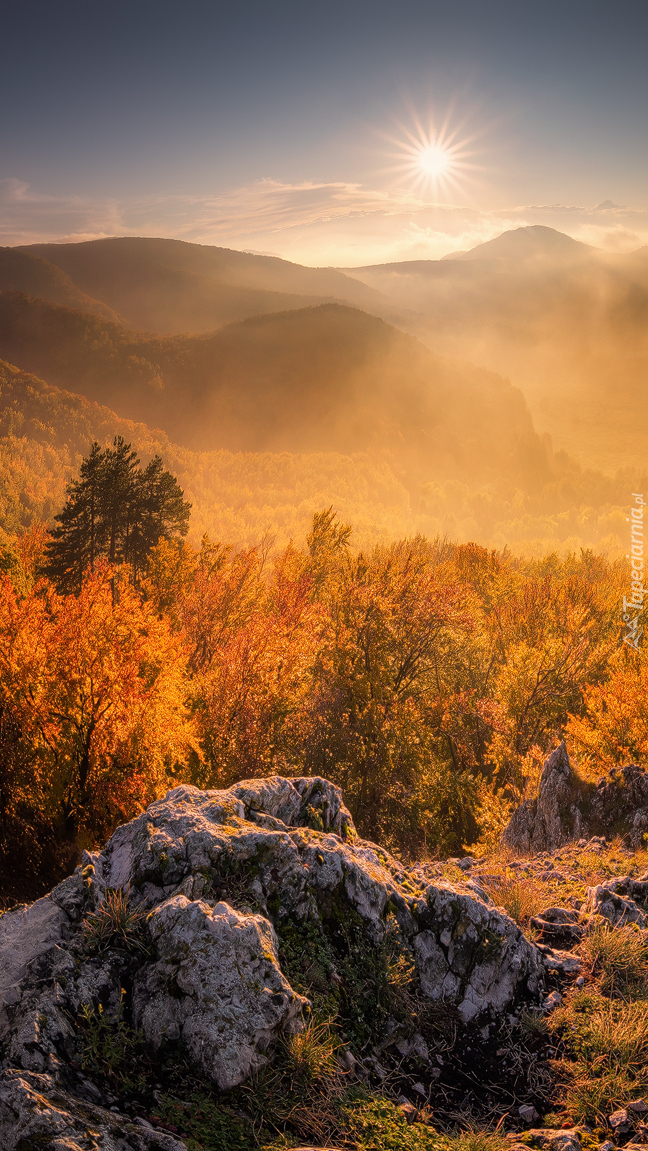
[(614, 728), (94, 687)]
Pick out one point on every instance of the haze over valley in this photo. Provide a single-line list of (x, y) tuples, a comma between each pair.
[(366, 373)]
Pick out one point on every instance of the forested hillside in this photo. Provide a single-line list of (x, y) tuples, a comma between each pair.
[(245, 496), (567, 323), (427, 679), (171, 286), (319, 379)]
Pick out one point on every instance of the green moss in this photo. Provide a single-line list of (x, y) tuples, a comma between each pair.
[(206, 1125), (377, 1124)]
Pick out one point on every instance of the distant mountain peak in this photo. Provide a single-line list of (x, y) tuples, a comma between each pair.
[(526, 243)]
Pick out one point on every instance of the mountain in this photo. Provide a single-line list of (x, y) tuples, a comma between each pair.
[(533, 242), (329, 378), (22, 272), (170, 286), (568, 323), (242, 498)]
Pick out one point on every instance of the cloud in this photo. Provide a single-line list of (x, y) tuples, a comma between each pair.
[(28, 217), (328, 223)]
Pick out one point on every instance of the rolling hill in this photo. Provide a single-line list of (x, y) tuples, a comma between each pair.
[(329, 378), (170, 286), (567, 322), (22, 272)]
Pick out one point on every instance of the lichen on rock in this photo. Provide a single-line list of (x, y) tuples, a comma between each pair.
[(218, 878)]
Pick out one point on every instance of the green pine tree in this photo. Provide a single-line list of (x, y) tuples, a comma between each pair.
[(116, 511)]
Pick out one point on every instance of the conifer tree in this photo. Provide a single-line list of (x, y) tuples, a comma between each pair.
[(115, 511)]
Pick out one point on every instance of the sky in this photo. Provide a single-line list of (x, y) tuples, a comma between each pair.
[(329, 133)]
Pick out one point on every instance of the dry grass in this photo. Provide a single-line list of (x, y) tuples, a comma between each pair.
[(301, 1090), (605, 1053), (617, 958), (521, 899)]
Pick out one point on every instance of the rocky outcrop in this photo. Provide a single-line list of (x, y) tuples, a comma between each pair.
[(195, 990), (618, 901), (35, 1113), (207, 885), (568, 808)]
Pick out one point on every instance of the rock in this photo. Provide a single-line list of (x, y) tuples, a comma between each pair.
[(409, 1111), (639, 1106), (568, 809), (226, 1023), (552, 1001), (554, 1139), (620, 1121), (561, 963), (527, 1113), (559, 926), (607, 1145), (35, 1112), (26, 934), (605, 902), (217, 876), (539, 824)]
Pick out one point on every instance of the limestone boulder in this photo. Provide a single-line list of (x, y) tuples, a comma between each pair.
[(35, 1112), (194, 993), (568, 808), (218, 879)]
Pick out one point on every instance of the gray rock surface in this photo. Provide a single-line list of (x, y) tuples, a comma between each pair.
[(216, 875), (545, 823), (226, 1022), (37, 1115), (568, 809)]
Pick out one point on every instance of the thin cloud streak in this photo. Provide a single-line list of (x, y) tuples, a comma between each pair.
[(341, 224)]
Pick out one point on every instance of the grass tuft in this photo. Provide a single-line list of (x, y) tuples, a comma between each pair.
[(617, 958), (115, 923)]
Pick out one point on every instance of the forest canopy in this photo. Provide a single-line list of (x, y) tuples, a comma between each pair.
[(428, 679)]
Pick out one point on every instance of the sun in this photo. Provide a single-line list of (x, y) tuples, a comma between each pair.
[(433, 159)]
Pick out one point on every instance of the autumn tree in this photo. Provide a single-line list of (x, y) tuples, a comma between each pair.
[(115, 510), (613, 729), (93, 689), (377, 718), (253, 639)]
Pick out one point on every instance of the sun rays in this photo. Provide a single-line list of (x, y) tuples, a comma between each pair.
[(436, 159)]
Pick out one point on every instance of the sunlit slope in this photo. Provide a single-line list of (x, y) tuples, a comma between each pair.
[(318, 379), (242, 497), (238, 497), (170, 286), (22, 272), (568, 323)]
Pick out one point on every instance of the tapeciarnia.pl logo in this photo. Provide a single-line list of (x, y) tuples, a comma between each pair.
[(633, 606)]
